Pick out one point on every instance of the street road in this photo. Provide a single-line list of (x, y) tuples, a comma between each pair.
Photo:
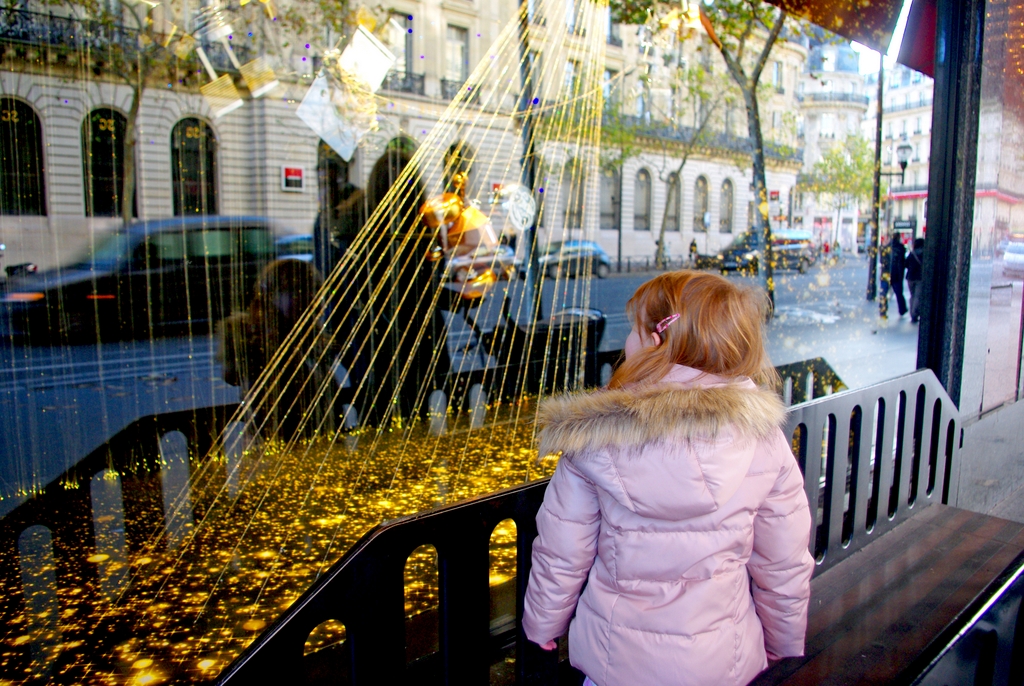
[(59, 404)]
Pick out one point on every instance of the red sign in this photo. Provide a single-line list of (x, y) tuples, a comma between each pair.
[(292, 179), (773, 196)]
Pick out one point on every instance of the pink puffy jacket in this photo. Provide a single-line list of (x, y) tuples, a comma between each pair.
[(683, 508)]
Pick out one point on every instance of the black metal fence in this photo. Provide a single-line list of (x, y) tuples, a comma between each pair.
[(871, 457)]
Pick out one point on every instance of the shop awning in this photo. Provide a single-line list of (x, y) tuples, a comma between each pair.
[(872, 22)]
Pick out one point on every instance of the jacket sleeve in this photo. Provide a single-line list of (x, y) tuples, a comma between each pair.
[(780, 564), (568, 525)]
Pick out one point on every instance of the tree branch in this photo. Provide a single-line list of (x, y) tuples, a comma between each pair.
[(762, 59)]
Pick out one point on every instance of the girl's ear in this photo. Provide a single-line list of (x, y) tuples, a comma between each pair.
[(656, 337)]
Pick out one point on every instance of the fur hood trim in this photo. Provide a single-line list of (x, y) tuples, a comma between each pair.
[(583, 422)]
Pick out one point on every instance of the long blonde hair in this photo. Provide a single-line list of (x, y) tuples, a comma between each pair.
[(720, 329)]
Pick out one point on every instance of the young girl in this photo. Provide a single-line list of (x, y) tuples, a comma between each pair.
[(677, 499)]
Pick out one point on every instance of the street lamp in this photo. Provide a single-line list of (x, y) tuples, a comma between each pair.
[(903, 153)]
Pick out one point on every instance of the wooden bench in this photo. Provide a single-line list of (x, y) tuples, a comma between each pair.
[(882, 615)]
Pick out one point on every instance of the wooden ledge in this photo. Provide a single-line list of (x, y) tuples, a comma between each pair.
[(874, 613)]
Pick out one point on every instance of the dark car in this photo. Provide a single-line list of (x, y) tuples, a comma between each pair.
[(791, 249), (573, 257), (154, 277)]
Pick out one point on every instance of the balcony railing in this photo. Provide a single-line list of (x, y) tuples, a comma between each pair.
[(404, 83), (833, 97), (35, 28), (646, 126), (450, 89), (614, 40), (909, 106), (73, 34)]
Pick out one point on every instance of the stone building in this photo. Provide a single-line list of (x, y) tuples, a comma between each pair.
[(832, 106), (906, 120)]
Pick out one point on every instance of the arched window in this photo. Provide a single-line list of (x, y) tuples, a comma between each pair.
[(103, 162), (725, 208), (700, 204), (574, 199), (22, 188), (642, 202), (672, 203), (194, 167), (611, 202)]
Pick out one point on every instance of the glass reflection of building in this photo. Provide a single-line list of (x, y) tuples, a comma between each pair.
[(191, 163)]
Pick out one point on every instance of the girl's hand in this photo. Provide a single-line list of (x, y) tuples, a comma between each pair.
[(550, 645)]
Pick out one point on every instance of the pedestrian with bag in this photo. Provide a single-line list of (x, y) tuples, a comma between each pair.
[(676, 500), (897, 265)]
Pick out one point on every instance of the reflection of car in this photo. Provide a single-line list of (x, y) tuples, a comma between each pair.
[(792, 250), (295, 247), (155, 276), (573, 258), (474, 274), (1013, 260)]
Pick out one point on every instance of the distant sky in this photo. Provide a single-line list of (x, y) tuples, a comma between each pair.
[(869, 58)]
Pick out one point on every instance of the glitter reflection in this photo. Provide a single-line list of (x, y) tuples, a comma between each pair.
[(186, 612)]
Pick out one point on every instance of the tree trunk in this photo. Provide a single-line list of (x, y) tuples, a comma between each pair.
[(661, 254), (762, 226), (130, 137)]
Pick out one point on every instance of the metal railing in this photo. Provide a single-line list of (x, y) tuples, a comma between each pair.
[(645, 125), (614, 40), (404, 83), (909, 106), (871, 457), (450, 88), (73, 34), (833, 97)]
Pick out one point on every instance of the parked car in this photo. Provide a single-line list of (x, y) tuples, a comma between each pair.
[(791, 249), (1013, 260), (571, 258), (153, 277), (297, 246)]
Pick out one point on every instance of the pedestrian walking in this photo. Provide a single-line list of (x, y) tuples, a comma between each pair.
[(897, 265), (677, 500), (693, 253), (915, 274)]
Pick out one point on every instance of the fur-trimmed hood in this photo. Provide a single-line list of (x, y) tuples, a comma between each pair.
[(692, 433)]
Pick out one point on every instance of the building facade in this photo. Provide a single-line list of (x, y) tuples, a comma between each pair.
[(65, 114)]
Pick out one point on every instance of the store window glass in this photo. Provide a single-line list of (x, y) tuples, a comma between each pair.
[(329, 308), (992, 346)]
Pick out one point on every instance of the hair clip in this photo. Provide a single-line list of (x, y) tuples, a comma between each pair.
[(664, 323)]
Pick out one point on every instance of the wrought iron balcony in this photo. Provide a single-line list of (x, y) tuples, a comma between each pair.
[(34, 28), (73, 34), (614, 40), (452, 88), (833, 97), (404, 83)]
